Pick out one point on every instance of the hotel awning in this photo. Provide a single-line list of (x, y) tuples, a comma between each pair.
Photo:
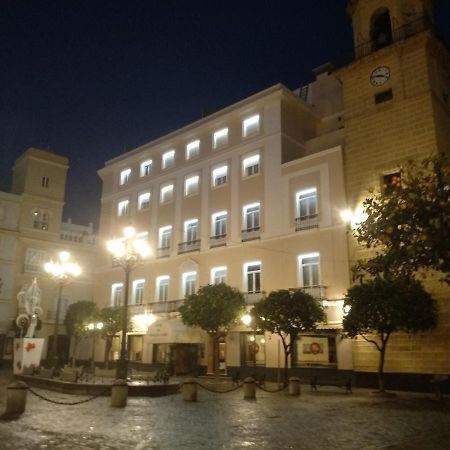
[(173, 331)]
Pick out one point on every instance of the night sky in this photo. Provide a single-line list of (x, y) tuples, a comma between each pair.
[(89, 78)]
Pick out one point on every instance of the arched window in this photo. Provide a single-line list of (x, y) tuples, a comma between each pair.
[(381, 30)]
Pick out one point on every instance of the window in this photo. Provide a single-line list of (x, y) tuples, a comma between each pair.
[(191, 185), (219, 275), (168, 159), (162, 288), (165, 236), (219, 224), (309, 270), (220, 138), (192, 149), (189, 283), (250, 166), (44, 182), (116, 294), (125, 176), (250, 125), (219, 176), (122, 208), (384, 96), (391, 181), (40, 219), (253, 276), (190, 230), (167, 193), (306, 203), (138, 292), (251, 217), (146, 168), (144, 200), (161, 353), (381, 31)]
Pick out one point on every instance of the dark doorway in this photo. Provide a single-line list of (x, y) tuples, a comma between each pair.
[(185, 358)]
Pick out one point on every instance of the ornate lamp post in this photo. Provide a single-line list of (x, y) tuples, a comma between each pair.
[(63, 271), (127, 252), (94, 328)]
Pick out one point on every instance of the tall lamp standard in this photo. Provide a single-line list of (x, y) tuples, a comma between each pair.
[(127, 252), (63, 271), (94, 328)]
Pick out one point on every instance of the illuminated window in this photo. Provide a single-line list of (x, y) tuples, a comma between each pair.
[(219, 176), (189, 283), (218, 275), (309, 269), (251, 216), (122, 208), (116, 294), (190, 230), (306, 203), (192, 149), (168, 159), (250, 125), (220, 138), (138, 292), (165, 236), (144, 200), (191, 185), (219, 224), (167, 193), (250, 166), (146, 168), (162, 288), (125, 176), (252, 272)]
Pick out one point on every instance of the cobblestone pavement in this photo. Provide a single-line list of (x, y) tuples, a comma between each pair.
[(329, 419)]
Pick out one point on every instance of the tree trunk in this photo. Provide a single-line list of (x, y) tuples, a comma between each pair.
[(75, 346), (216, 338), (108, 345), (381, 366)]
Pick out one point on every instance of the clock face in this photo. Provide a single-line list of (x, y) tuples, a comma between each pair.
[(380, 75)]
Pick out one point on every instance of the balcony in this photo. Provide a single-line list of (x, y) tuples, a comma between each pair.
[(307, 222), (163, 252), (189, 246), (316, 291), (252, 298), (250, 234), (218, 240), (165, 307), (37, 268), (398, 34)]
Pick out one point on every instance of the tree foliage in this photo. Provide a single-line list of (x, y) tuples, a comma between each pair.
[(379, 307), (112, 319), (409, 224), (213, 308), (287, 313), (77, 318)]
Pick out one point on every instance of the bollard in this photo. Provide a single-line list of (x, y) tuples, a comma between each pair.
[(16, 399), (249, 388), (119, 393), (294, 386), (190, 390)]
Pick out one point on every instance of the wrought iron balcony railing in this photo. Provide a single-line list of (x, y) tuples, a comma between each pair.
[(307, 222), (217, 240), (253, 297), (251, 233), (189, 246), (163, 252)]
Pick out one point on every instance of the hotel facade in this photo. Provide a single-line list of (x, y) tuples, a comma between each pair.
[(252, 196)]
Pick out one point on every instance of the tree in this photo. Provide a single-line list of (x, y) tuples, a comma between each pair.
[(409, 223), (112, 319), (382, 306), (287, 313), (214, 308), (78, 316)]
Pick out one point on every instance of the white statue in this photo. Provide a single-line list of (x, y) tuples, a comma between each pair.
[(29, 298)]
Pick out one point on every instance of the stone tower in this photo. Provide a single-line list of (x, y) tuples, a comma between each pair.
[(397, 107)]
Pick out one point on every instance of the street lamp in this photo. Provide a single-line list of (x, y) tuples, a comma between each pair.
[(127, 252), (63, 271), (94, 328)]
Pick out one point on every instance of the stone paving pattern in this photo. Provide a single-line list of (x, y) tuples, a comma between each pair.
[(329, 419)]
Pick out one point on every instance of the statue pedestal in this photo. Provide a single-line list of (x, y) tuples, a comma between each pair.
[(27, 353)]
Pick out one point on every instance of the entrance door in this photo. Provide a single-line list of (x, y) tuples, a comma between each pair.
[(185, 358)]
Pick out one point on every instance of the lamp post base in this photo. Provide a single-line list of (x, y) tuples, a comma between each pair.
[(122, 369)]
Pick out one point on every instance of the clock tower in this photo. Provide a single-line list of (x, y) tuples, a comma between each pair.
[(396, 96)]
